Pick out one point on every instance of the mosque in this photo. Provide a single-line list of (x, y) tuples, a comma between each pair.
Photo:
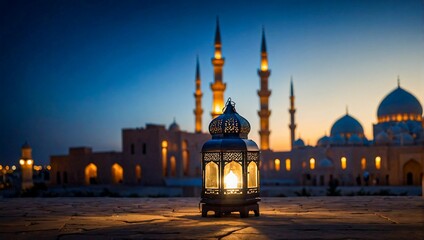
[(156, 155)]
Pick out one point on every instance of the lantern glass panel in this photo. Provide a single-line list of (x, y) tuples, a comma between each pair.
[(211, 175), (233, 176), (252, 178)]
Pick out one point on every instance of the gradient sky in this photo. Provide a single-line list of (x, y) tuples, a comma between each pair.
[(74, 73)]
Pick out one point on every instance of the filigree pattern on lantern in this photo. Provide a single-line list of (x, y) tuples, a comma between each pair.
[(215, 127), (252, 190), (211, 157), (231, 126), (244, 126), (233, 191), (252, 156), (233, 156)]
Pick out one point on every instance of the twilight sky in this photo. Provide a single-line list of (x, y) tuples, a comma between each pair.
[(74, 73)]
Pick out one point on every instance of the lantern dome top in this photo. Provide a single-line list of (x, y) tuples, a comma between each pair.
[(229, 124)]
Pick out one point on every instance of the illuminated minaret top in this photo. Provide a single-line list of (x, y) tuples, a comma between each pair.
[(218, 86), (198, 111), (292, 110), (264, 94)]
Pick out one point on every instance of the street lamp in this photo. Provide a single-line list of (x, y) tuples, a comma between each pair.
[(230, 166)]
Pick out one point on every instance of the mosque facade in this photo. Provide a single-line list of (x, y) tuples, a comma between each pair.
[(156, 155)]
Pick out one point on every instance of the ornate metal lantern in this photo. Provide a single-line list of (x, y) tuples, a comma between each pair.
[(230, 165)]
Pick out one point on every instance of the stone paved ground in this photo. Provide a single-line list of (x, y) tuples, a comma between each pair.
[(179, 218)]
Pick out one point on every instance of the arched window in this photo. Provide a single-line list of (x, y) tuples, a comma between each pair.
[(90, 174), (173, 163), (343, 163), (117, 173), (378, 162), (186, 158), (233, 176), (288, 165), (277, 165), (138, 173), (252, 178), (164, 157), (312, 163), (211, 175), (363, 163)]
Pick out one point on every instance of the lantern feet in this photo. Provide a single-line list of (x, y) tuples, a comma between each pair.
[(220, 210)]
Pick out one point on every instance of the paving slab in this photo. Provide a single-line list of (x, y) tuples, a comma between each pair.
[(359, 217)]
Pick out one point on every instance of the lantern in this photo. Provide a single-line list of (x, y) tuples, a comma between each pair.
[(230, 166)]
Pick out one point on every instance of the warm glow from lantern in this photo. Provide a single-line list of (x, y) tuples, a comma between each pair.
[(277, 164), (343, 162), (288, 165), (378, 162), (22, 162), (30, 162), (230, 181), (312, 163)]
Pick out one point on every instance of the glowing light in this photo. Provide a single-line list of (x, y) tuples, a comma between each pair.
[(218, 109), (343, 162), (7, 167), (277, 164), (230, 181), (22, 162), (312, 163), (13, 167), (49, 167), (363, 163), (1, 167), (30, 162), (378, 162), (264, 66), (218, 55), (288, 165), (164, 144)]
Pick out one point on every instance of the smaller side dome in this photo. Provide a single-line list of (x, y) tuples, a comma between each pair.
[(355, 140), (324, 141), (382, 138), (406, 139), (395, 130), (337, 140), (346, 126), (299, 143), (174, 126), (325, 163)]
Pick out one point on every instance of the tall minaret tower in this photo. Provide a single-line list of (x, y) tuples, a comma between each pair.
[(264, 94), (218, 86), (26, 163), (198, 111), (292, 110)]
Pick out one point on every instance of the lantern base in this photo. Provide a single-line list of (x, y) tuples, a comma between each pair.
[(229, 208)]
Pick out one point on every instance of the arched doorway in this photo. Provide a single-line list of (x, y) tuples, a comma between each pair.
[(117, 173), (173, 164), (412, 173), (90, 174), (186, 157), (138, 173)]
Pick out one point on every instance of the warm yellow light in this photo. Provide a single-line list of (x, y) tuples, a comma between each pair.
[(264, 66), (218, 55), (13, 167), (363, 163), (49, 167), (312, 163), (343, 163), (378, 162), (230, 181), (22, 162), (1, 167), (164, 144), (277, 164), (218, 109), (7, 167), (303, 164), (30, 162), (288, 164)]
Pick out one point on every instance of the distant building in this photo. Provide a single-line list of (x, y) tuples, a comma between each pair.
[(27, 164), (154, 154)]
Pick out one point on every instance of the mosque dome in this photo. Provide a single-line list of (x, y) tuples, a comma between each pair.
[(324, 141), (399, 105), (394, 130), (325, 163), (174, 127), (406, 139), (299, 143), (337, 140), (382, 138), (229, 123), (355, 140), (346, 126)]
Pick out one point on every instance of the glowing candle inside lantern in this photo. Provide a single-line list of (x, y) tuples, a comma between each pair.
[(230, 180)]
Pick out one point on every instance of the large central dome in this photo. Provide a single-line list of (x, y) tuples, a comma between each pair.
[(399, 105), (346, 126)]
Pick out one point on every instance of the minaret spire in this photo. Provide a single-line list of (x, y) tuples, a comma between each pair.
[(198, 111), (264, 94), (398, 81), (218, 86), (292, 111)]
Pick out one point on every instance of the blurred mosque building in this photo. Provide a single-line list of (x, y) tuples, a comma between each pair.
[(156, 155)]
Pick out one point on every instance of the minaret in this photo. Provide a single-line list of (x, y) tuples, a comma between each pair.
[(198, 111), (218, 86), (292, 110), (26, 163), (264, 94)]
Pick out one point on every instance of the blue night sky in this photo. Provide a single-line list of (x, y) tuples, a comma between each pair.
[(74, 73)]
